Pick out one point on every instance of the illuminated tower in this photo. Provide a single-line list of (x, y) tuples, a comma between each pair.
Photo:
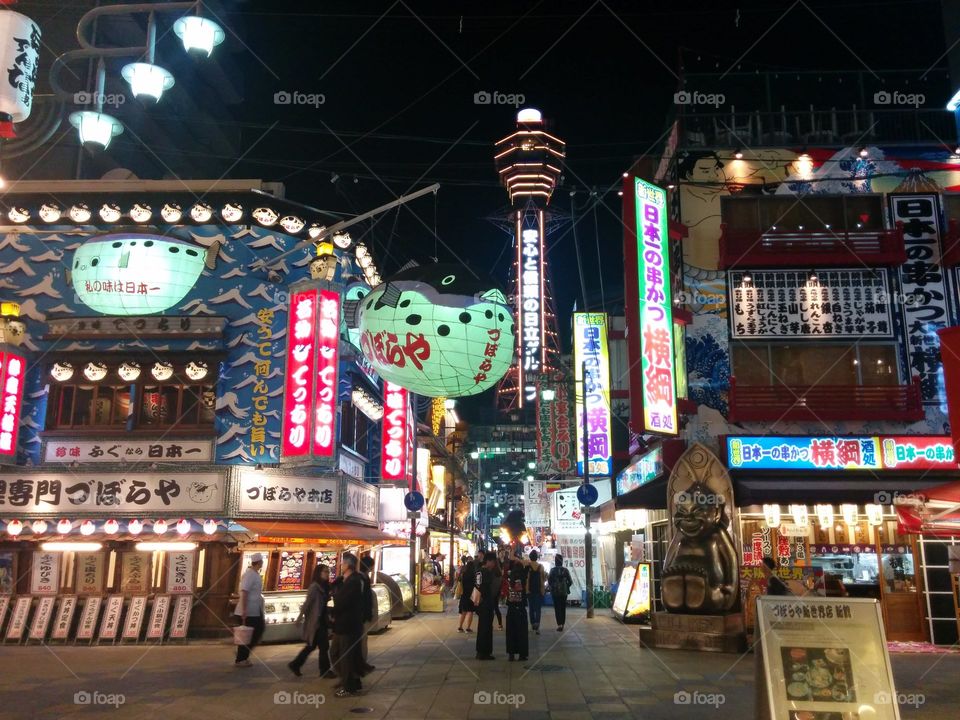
[(529, 162)]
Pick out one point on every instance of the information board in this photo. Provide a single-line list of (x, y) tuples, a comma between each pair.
[(110, 624), (134, 620), (825, 655), (158, 617), (18, 621)]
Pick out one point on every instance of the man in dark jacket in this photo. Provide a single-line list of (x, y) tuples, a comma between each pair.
[(369, 602), (348, 627), (488, 581)]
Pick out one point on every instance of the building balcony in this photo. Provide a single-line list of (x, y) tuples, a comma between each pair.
[(770, 403), (813, 248)]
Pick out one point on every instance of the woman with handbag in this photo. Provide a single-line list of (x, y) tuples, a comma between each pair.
[(467, 582), (315, 631)]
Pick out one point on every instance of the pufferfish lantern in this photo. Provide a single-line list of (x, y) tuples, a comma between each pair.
[(437, 330)]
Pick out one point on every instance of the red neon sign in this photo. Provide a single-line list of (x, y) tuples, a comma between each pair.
[(328, 340), (395, 437), (12, 370), (298, 394)]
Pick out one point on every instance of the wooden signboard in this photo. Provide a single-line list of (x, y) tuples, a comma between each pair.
[(134, 620), (158, 617), (88, 619), (64, 617), (18, 621), (110, 624), (4, 606), (41, 618), (181, 617)]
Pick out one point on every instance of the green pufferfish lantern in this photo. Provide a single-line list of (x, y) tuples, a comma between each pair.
[(438, 331)]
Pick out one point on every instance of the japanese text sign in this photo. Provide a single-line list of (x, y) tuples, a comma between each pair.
[(655, 328), (881, 452), (328, 363), (12, 370), (592, 367), (395, 460), (530, 308)]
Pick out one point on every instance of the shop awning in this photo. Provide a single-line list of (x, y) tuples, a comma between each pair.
[(751, 489), (931, 511), (330, 531), (650, 496)]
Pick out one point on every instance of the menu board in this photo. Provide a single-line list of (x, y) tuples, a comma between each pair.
[(134, 619), (825, 655), (158, 617), (135, 573), (88, 620), (7, 573), (18, 621), (110, 623), (290, 573), (180, 571), (41, 618), (45, 574), (181, 617), (638, 604), (623, 590), (90, 567), (64, 618)]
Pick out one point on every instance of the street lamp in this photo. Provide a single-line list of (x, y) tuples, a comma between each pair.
[(96, 129), (147, 81), (199, 35)]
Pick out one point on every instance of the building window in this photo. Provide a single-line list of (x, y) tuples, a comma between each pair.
[(89, 406), (181, 405), (355, 429), (802, 364)]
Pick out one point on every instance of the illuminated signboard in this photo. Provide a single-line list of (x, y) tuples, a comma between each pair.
[(530, 324), (396, 436), (310, 395), (641, 472), (592, 367), (12, 369), (135, 274), (328, 362), (301, 339), (883, 452)]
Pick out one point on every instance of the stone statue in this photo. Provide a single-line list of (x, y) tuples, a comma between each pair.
[(701, 569)]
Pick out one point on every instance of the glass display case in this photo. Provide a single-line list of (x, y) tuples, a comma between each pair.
[(382, 613), (280, 611), (406, 592)]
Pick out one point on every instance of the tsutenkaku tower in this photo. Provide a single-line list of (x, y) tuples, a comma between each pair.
[(529, 162)]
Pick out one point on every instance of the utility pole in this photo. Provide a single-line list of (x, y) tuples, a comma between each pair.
[(587, 537)]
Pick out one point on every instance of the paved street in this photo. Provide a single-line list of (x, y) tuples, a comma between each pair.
[(424, 670)]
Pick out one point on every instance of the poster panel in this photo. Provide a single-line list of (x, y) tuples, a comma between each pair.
[(90, 573), (134, 620), (180, 571), (110, 623), (181, 617), (135, 573), (45, 573), (18, 621), (158, 617)]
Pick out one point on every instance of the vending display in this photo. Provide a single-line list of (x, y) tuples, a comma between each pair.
[(280, 612)]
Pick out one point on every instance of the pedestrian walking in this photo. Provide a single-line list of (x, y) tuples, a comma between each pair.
[(560, 583), (468, 581), (536, 582), (487, 587), (369, 603), (518, 641), (315, 617), (250, 608), (347, 626), (499, 574)]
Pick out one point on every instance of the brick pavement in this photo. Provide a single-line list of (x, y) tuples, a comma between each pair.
[(425, 669)]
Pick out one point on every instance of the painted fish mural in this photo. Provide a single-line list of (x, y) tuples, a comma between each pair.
[(135, 274), (437, 330)]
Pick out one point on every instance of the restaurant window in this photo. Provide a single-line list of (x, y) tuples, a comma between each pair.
[(796, 363), (355, 429), (89, 406), (181, 405)]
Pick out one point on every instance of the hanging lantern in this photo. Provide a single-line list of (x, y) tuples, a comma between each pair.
[(111, 527), (141, 213), (39, 527), (849, 513), (209, 527), (265, 216), (292, 224), (135, 274), (183, 527), (874, 514), (129, 371), (14, 528), (800, 515), (96, 129), (825, 516), (64, 527), (437, 331), (80, 213), (135, 527), (110, 212), (61, 371), (201, 213), (162, 371), (771, 515), (232, 212), (49, 212), (171, 213), (19, 57), (159, 526), (95, 371), (18, 214), (87, 527), (196, 370)]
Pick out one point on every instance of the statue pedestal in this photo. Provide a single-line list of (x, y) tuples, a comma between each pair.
[(708, 633)]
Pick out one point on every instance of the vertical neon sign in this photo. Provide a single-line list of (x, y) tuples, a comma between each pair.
[(12, 370), (328, 363), (592, 361), (530, 304), (395, 434), (298, 394), (655, 327)]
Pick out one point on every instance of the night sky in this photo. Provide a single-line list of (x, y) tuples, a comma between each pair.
[(399, 81)]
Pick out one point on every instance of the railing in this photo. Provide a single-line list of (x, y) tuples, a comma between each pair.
[(753, 248), (825, 402)]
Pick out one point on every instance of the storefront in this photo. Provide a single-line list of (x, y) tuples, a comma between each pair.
[(823, 509)]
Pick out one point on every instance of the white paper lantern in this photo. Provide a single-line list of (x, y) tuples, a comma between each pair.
[(87, 527), (800, 515), (39, 527), (129, 371), (201, 213), (95, 371), (159, 527), (141, 212), (49, 212), (135, 527), (265, 216), (849, 513), (64, 526), (825, 516), (232, 212), (18, 214), (162, 371), (209, 527), (61, 371), (292, 224), (183, 527), (171, 213), (196, 370), (19, 58), (80, 213), (14, 528), (771, 515), (111, 527), (110, 212), (874, 514)]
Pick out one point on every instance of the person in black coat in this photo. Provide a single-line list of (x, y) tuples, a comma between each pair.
[(489, 583), (369, 603), (518, 642), (468, 581), (348, 613)]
